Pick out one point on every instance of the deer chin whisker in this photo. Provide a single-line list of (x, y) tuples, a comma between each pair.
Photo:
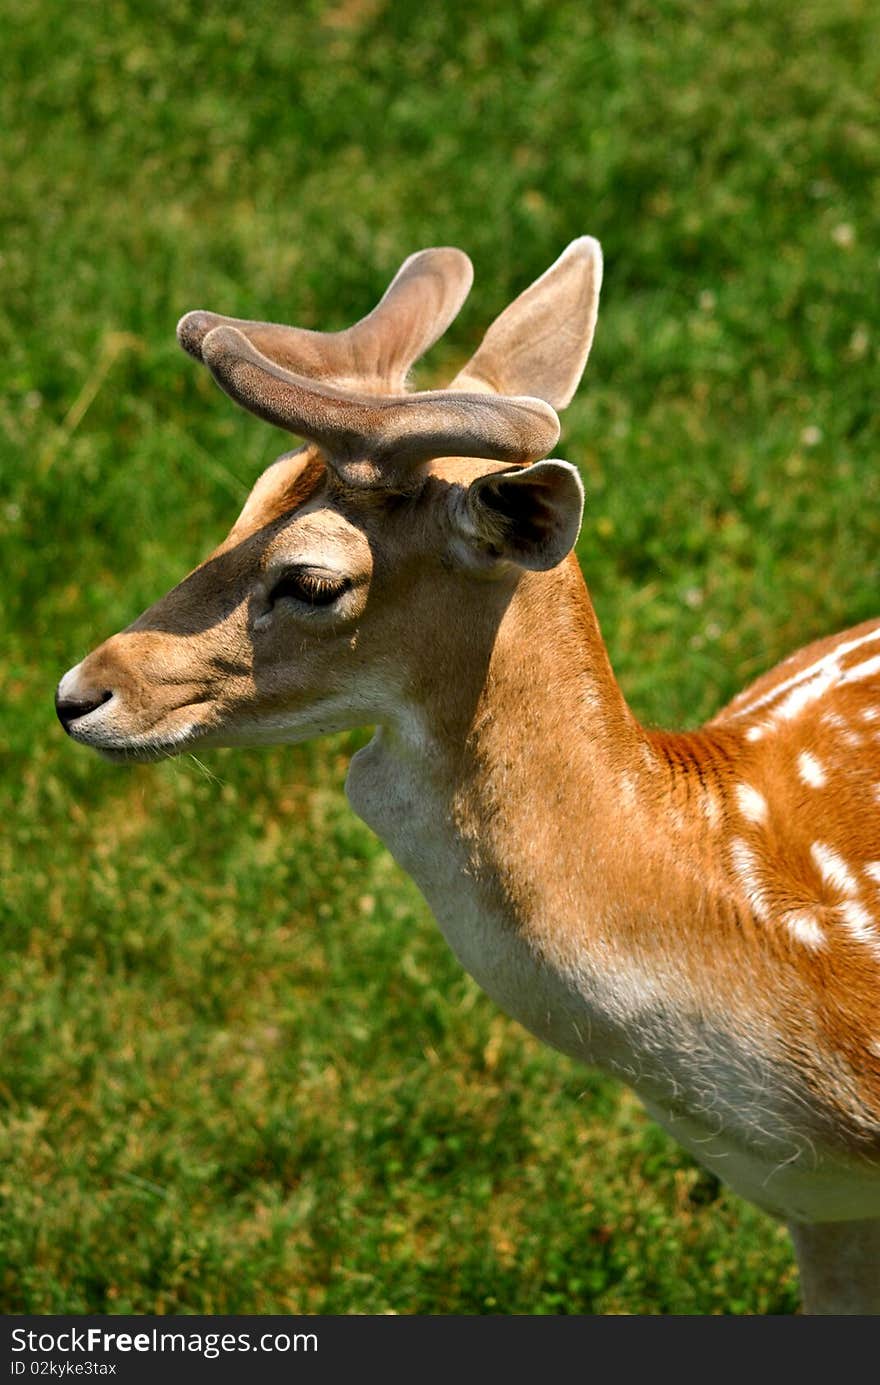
[(147, 751)]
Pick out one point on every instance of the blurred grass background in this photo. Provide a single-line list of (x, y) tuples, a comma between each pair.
[(240, 1072)]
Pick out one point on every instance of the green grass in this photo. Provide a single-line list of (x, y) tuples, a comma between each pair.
[(240, 1072)]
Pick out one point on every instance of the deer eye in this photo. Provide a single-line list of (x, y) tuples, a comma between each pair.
[(309, 588)]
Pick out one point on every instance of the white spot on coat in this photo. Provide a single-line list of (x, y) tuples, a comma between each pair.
[(805, 693), (811, 770), (860, 924), (835, 720), (752, 805), (746, 866), (833, 869), (867, 669), (829, 663), (852, 738), (627, 789), (803, 926)]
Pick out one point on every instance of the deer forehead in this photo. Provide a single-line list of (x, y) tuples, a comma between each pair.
[(293, 515), (298, 512), (281, 489), (319, 535)]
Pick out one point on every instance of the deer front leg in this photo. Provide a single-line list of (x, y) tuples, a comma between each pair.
[(839, 1265)]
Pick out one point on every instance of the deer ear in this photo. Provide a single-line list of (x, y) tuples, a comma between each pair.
[(540, 343), (531, 516)]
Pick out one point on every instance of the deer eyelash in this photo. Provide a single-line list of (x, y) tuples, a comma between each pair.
[(309, 588)]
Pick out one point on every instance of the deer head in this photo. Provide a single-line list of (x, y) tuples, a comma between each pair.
[(377, 557)]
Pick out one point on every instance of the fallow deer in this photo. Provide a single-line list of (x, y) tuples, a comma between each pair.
[(696, 913)]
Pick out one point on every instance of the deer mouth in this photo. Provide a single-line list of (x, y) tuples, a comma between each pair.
[(140, 749), (97, 718)]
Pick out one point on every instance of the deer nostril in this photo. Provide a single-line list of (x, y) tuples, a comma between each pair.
[(71, 709)]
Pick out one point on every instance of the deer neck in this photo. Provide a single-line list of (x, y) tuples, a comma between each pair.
[(520, 809), (575, 865)]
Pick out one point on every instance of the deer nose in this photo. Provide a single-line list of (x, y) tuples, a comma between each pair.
[(70, 709)]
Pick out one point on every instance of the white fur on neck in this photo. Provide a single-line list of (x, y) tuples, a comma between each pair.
[(712, 1093)]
